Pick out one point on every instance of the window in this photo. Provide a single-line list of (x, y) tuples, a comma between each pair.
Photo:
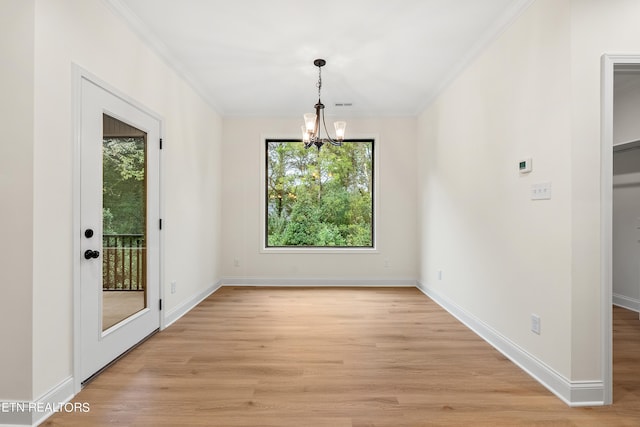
[(319, 198)]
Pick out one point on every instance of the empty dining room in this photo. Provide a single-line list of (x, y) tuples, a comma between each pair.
[(187, 241)]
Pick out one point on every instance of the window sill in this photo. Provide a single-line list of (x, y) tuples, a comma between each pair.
[(323, 250)]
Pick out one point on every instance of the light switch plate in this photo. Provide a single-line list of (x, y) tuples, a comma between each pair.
[(541, 191)]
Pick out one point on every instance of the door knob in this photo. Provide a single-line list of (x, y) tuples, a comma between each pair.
[(88, 254)]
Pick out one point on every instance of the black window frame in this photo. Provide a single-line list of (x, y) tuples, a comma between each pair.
[(301, 248)]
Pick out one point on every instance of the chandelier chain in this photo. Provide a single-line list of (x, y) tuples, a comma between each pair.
[(319, 85)]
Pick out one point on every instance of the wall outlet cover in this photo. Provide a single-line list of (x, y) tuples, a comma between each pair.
[(535, 324)]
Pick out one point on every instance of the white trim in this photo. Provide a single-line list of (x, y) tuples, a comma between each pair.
[(302, 250), (585, 393), (606, 224), (161, 213), (576, 393), (177, 312), (318, 282), (76, 101), (609, 62), (626, 302), (52, 400), (60, 394)]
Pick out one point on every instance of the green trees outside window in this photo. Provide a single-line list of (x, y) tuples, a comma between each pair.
[(123, 185), (319, 198), (123, 213)]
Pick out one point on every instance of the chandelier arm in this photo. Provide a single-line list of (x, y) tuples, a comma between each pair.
[(319, 109), (328, 139)]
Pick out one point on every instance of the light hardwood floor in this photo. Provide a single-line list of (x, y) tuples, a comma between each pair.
[(336, 357)]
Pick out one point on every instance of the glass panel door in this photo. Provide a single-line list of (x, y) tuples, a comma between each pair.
[(119, 239)]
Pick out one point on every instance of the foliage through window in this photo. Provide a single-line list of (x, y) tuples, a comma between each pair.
[(123, 185), (319, 198)]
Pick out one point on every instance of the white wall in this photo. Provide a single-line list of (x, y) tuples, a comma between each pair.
[(502, 255), (243, 195), (534, 92), (16, 194), (88, 34)]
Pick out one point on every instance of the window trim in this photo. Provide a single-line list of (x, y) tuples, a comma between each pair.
[(320, 249)]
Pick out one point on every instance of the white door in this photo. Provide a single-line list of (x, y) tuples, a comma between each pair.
[(119, 216)]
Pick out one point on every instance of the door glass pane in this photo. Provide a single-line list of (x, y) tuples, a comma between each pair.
[(123, 221)]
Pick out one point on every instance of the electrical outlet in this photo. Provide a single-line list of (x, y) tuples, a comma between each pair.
[(386, 263), (439, 274), (236, 262), (535, 324), (173, 287)]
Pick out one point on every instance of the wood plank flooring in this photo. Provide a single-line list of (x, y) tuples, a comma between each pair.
[(336, 357)]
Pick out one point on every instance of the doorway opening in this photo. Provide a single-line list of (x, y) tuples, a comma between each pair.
[(612, 65)]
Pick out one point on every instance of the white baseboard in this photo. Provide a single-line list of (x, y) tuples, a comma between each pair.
[(34, 413), (177, 312), (328, 282), (573, 393), (626, 302)]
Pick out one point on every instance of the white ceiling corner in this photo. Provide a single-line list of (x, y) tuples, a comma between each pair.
[(255, 57)]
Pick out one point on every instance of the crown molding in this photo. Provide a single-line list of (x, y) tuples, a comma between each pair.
[(138, 27), (504, 21)]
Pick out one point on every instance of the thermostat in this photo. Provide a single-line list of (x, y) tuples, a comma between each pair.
[(524, 166)]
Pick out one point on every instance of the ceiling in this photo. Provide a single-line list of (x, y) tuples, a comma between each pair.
[(255, 57)]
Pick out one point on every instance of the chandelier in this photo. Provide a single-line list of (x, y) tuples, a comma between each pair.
[(311, 131)]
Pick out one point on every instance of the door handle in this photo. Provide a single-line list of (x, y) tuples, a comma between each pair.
[(88, 254)]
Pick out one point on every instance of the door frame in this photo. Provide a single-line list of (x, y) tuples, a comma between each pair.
[(78, 75), (608, 65)]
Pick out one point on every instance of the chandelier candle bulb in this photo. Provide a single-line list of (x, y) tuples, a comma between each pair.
[(310, 122), (305, 135), (340, 127)]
